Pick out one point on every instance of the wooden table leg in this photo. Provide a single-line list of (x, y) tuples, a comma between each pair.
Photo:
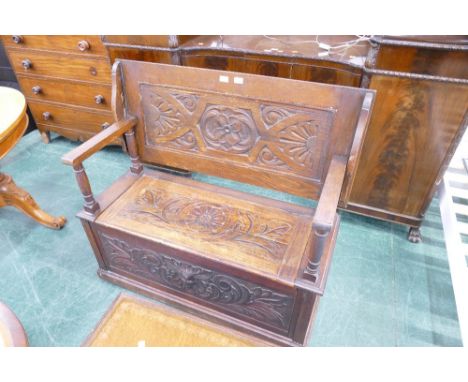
[(12, 195), (45, 136)]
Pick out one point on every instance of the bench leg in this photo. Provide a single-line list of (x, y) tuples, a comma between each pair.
[(12, 195), (414, 235)]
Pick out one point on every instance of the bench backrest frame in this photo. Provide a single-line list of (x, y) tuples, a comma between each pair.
[(272, 132)]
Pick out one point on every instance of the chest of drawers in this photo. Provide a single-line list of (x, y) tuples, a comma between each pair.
[(66, 80)]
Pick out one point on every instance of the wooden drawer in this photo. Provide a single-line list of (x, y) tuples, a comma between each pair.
[(67, 92), (80, 44), (69, 117), (60, 65)]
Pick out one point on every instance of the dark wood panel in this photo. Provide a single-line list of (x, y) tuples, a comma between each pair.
[(138, 54), (275, 66), (412, 131), (434, 62)]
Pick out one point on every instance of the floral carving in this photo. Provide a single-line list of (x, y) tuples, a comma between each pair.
[(267, 158), (225, 292), (162, 116), (206, 217), (211, 221), (228, 129), (184, 142), (299, 142), (272, 114), (189, 101)]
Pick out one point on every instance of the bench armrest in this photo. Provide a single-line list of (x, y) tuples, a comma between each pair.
[(75, 157), (96, 143), (330, 196), (323, 221)]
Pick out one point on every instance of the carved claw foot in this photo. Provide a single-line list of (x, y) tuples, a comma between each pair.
[(12, 195), (45, 135), (414, 235)]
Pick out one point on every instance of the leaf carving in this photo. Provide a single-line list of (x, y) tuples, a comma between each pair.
[(223, 291)]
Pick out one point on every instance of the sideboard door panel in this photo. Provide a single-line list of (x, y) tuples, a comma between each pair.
[(413, 128)]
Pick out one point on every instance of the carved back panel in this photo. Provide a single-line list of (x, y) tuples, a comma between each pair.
[(271, 132)]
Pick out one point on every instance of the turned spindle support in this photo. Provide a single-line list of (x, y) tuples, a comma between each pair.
[(90, 205), (136, 166), (320, 239)]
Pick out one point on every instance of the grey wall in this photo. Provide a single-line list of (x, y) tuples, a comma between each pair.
[(6, 73)]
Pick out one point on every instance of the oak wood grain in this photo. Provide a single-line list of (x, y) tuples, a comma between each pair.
[(65, 43), (51, 64), (72, 93), (69, 117)]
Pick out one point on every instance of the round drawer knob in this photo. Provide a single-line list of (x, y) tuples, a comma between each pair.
[(105, 125), (17, 39), (27, 64), (99, 99), (36, 90), (83, 45), (46, 116)]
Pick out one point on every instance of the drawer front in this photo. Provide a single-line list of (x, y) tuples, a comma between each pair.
[(69, 118), (60, 65), (95, 96), (80, 44), (160, 267)]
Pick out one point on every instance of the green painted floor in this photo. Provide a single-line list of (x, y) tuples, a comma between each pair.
[(382, 290)]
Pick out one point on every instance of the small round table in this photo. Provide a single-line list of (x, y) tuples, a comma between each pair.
[(11, 331), (13, 123)]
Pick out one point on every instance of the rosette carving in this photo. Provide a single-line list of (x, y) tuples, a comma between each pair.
[(211, 221), (299, 142), (228, 129)]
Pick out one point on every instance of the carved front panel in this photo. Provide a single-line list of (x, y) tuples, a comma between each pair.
[(274, 137), (222, 291)]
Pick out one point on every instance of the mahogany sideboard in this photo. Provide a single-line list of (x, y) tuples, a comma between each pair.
[(418, 118)]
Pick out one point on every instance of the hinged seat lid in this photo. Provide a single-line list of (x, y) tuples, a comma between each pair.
[(258, 234)]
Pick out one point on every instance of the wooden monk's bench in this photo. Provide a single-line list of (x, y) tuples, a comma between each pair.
[(249, 262)]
